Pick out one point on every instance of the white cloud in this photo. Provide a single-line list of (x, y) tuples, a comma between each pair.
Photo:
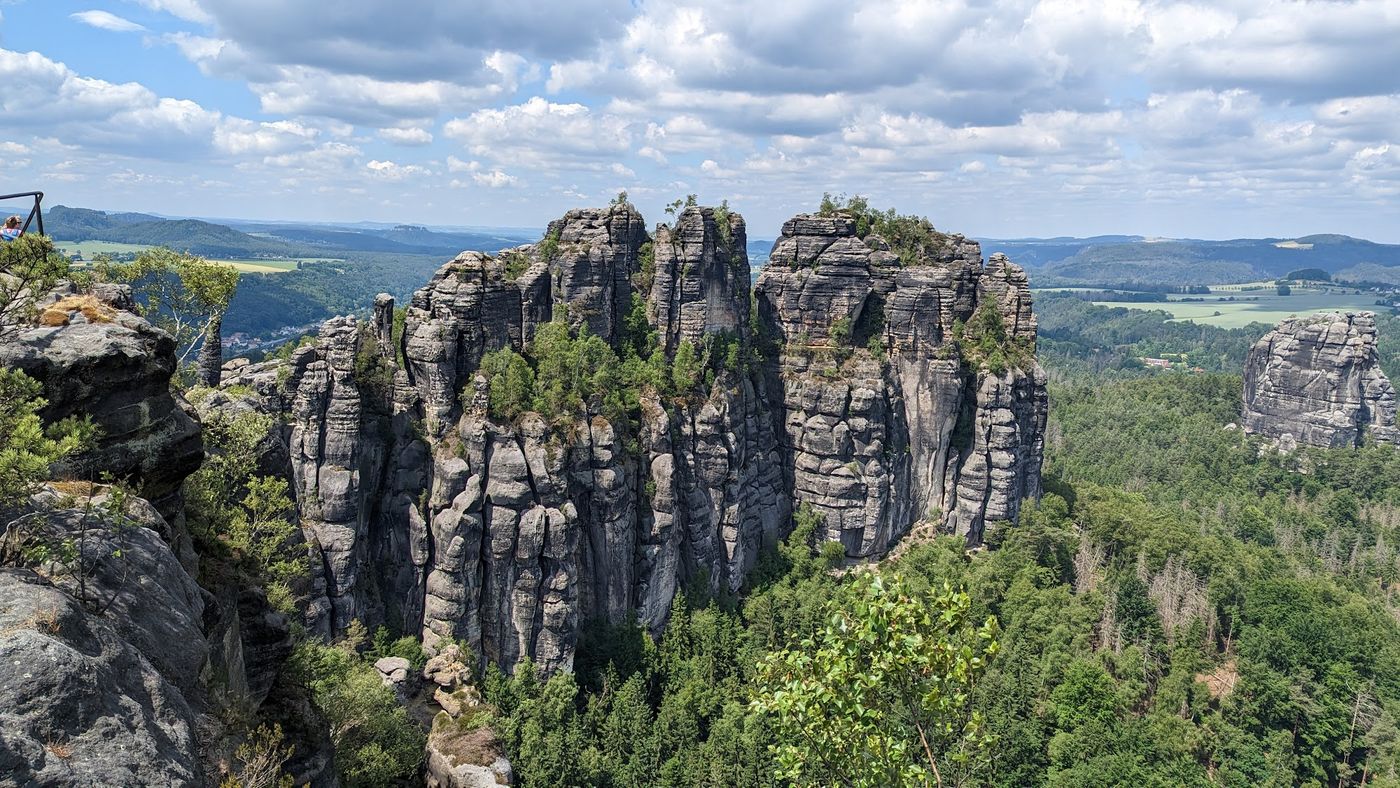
[(393, 171), (188, 10), (540, 133), (1072, 105), (494, 179), (105, 20), (412, 136)]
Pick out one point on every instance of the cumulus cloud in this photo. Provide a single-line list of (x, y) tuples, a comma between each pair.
[(1068, 105), (412, 136), (105, 20), (394, 171), (540, 132), (494, 179)]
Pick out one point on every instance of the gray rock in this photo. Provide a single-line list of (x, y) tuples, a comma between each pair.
[(101, 671), (875, 443), (430, 516), (79, 705), (118, 374), (1317, 381)]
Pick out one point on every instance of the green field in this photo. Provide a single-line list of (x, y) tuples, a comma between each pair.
[(258, 266), (252, 265), (90, 249), (1269, 308)]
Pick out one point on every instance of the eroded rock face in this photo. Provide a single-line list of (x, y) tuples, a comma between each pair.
[(117, 373), (435, 518), (91, 690), (886, 421), (1316, 381), (80, 705)]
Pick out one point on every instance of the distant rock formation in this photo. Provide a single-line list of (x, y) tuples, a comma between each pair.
[(1316, 381), (849, 390)]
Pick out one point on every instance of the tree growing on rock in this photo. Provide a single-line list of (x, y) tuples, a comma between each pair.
[(185, 295), (29, 270), (27, 449)]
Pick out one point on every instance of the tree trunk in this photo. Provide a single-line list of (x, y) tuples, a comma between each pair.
[(211, 356)]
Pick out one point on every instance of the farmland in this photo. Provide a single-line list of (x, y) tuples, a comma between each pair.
[(124, 251), (1234, 306)]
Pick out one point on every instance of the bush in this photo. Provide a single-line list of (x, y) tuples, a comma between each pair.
[(375, 741), (512, 383), (27, 449), (29, 269), (911, 237)]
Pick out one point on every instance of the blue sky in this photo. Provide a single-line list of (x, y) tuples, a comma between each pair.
[(1232, 118)]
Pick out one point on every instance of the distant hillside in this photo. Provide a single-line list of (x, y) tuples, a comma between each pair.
[(1126, 260), (758, 249), (192, 235), (264, 240)]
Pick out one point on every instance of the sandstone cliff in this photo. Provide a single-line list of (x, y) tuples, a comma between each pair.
[(113, 659), (433, 516), (1316, 381)]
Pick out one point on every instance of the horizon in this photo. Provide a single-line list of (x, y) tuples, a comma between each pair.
[(436, 227), (1037, 120)]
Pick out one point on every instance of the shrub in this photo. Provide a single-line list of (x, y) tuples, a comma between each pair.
[(375, 741), (512, 383), (29, 269), (912, 238)]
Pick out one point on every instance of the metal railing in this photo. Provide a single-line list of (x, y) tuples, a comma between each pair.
[(35, 213)]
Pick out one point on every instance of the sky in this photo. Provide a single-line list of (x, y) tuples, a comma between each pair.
[(1008, 118)]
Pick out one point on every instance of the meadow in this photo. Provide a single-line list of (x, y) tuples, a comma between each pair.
[(1265, 305), (250, 265)]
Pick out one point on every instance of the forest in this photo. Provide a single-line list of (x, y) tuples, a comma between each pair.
[(1182, 608)]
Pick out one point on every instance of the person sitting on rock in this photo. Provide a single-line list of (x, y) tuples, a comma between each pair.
[(11, 230)]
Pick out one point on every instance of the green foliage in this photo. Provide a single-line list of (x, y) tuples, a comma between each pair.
[(1308, 275), (376, 744), (373, 374), (841, 331), (396, 334), (382, 644), (259, 760), (911, 237), (883, 695), (512, 383), (984, 342), (1080, 337), (574, 371), (548, 249), (646, 273), (1283, 289), (723, 224), (178, 291), (232, 510), (76, 553), (687, 368), (1179, 609), (516, 264), (27, 449), (620, 200), (29, 270)]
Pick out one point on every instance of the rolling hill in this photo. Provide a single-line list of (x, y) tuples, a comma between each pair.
[(1117, 261)]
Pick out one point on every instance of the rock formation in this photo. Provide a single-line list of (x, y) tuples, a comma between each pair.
[(875, 441), (108, 364), (91, 691), (110, 653), (1316, 381), (849, 390)]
